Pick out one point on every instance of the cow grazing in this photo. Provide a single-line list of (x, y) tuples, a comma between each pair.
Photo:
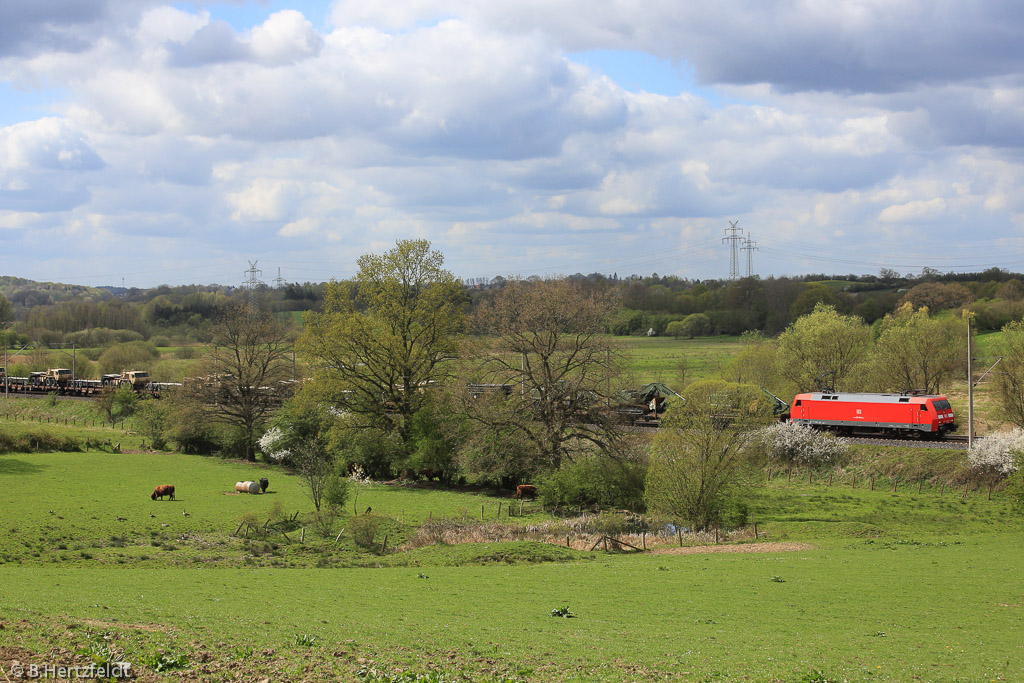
[(526, 491), (163, 490)]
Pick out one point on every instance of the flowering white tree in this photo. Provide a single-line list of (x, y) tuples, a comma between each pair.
[(796, 444), (999, 453), (272, 445)]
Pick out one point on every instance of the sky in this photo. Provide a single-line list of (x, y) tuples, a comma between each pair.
[(146, 142)]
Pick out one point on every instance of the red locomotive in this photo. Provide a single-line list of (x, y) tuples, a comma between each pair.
[(902, 414)]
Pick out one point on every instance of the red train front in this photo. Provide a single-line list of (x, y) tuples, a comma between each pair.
[(903, 414)]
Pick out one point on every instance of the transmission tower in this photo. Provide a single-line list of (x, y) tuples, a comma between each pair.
[(749, 246), (733, 235), (279, 281), (253, 283)]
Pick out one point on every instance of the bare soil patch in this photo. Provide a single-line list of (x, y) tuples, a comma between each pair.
[(741, 548)]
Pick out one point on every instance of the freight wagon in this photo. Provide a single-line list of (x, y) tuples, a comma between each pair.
[(907, 414)]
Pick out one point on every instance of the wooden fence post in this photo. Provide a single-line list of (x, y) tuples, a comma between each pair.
[(679, 530), (384, 545), (755, 531), (872, 483), (895, 484)]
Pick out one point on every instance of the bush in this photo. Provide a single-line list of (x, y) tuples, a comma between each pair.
[(597, 481), (135, 355), (998, 454), (37, 442), (795, 444), (364, 529)]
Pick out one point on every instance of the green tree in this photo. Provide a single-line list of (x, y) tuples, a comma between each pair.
[(823, 348), (387, 337), (696, 325), (134, 355), (916, 351), (1009, 381), (118, 404), (700, 457), (6, 311)]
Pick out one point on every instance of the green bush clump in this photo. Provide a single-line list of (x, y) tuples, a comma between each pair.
[(598, 481), (38, 442)]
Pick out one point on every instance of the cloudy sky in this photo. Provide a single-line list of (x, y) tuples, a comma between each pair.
[(174, 142)]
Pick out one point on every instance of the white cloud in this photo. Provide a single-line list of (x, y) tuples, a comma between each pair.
[(913, 211), (467, 123)]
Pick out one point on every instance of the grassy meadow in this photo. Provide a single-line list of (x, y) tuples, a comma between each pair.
[(890, 569)]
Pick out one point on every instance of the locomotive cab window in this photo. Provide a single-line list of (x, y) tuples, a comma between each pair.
[(798, 402), (924, 406)]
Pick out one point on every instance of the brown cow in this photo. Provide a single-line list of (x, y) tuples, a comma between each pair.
[(524, 490), (163, 490)]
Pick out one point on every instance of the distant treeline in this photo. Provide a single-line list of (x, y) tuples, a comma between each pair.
[(53, 313)]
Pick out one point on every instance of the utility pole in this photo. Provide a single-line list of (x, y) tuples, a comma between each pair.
[(970, 385), (749, 246), (733, 235)]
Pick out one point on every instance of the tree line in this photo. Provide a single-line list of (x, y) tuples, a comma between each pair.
[(405, 379)]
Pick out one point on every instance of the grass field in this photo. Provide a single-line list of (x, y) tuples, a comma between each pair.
[(886, 586), (893, 576), (664, 359)]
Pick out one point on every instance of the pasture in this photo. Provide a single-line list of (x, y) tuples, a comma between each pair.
[(881, 586), (664, 359)]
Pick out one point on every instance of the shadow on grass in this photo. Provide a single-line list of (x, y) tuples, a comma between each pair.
[(14, 466)]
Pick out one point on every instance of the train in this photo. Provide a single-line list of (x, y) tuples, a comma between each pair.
[(62, 381), (909, 414)]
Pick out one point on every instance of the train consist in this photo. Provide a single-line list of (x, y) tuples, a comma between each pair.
[(61, 381), (907, 415)]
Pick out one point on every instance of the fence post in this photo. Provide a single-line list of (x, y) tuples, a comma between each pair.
[(679, 530), (895, 484), (384, 545), (872, 483), (755, 531)]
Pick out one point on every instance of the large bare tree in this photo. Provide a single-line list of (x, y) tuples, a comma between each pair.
[(545, 349), (249, 358)]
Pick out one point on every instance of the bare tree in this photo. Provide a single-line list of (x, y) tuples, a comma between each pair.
[(546, 351), (249, 359)]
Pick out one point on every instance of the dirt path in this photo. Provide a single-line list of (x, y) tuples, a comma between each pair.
[(741, 548)]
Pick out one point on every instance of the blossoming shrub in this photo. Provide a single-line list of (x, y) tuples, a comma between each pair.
[(796, 444), (998, 453)]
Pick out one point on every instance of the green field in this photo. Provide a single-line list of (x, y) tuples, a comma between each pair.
[(883, 586), (886, 571), (664, 359)]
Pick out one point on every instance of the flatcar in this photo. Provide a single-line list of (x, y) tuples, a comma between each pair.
[(909, 414)]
